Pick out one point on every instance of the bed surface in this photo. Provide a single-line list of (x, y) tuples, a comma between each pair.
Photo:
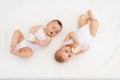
[(102, 61)]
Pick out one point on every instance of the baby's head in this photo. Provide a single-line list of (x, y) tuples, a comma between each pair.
[(53, 27), (63, 54)]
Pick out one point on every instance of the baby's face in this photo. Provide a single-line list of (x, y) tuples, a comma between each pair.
[(65, 53), (53, 28)]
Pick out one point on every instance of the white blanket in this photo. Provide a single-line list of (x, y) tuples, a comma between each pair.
[(102, 61)]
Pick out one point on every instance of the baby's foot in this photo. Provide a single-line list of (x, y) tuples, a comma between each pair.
[(90, 15), (12, 46), (13, 52)]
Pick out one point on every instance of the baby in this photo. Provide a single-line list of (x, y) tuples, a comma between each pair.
[(24, 48), (78, 42)]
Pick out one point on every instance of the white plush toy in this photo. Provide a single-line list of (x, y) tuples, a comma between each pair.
[(82, 46), (31, 37), (77, 49)]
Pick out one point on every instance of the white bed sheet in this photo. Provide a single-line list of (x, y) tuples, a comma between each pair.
[(102, 61)]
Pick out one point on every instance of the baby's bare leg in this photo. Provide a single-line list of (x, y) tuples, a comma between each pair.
[(93, 27), (16, 38), (93, 24), (83, 20), (23, 53)]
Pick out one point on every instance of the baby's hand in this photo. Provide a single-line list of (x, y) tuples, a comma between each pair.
[(36, 41), (32, 30), (75, 45), (13, 52), (79, 52)]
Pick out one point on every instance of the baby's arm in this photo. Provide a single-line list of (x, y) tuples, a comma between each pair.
[(42, 42), (35, 28), (74, 45), (72, 36), (83, 50)]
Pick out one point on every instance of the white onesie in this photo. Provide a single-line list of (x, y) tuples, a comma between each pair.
[(26, 43), (84, 37), (83, 34)]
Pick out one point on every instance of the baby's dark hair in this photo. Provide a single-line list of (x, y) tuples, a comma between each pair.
[(59, 22), (58, 58)]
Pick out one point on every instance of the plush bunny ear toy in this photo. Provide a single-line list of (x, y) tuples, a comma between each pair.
[(31, 37)]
